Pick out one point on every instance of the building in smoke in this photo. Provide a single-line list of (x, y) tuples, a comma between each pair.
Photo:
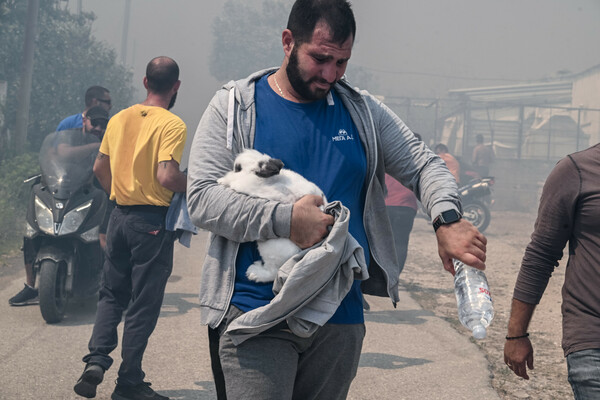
[(540, 120)]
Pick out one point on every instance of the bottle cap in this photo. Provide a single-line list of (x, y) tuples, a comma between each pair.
[(479, 332)]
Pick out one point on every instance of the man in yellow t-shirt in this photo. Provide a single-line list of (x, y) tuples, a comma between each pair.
[(138, 165)]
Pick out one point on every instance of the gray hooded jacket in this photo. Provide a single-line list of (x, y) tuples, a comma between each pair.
[(228, 126)]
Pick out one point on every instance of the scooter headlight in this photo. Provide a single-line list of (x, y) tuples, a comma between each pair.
[(74, 218), (43, 216)]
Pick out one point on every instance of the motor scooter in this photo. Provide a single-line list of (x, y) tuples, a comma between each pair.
[(476, 201), (64, 215)]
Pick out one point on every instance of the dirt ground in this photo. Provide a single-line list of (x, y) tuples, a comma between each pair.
[(432, 287), (508, 235)]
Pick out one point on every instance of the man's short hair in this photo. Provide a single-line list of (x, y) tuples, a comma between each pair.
[(94, 92), (305, 15), (162, 73)]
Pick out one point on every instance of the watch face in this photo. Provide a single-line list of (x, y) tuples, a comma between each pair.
[(450, 216), (445, 218)]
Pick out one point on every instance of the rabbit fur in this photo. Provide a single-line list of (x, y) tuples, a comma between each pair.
[(257, 174)]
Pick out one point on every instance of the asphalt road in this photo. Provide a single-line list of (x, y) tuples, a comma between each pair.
[(408, 353)]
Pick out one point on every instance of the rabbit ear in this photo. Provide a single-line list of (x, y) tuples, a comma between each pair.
[(269, 168)]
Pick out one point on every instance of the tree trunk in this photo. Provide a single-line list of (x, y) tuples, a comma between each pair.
[(24, 94)]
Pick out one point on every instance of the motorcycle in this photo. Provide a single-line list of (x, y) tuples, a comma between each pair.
[(476, 201), (64, 215), (476, 198)]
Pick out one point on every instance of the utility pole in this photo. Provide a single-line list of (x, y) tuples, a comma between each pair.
[(24, 95), (125, 31)]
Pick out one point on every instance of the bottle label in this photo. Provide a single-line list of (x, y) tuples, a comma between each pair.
[(486, 292)]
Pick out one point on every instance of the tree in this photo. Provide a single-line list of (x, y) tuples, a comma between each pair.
[(247, 38), (67, 60), (24, 95)]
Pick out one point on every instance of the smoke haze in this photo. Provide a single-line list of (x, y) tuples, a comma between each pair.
[(412, 47)]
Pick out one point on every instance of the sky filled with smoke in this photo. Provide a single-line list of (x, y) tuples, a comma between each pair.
[(411, 47)]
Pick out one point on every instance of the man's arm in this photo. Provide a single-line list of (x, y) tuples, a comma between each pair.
[(518, 353), (170, 177), (553, 228), (413, 164), (217, 208), (102, 171), (76, 153)]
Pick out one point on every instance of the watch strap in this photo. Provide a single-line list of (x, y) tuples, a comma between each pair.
[(437, 222)]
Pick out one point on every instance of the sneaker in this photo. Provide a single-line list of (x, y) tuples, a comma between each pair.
[(91, 377), (141, 391), (25, 297)]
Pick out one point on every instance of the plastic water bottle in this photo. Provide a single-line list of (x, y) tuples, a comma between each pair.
[(475, 309)]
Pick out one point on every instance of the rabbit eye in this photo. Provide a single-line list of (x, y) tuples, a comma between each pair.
[(237, 167)]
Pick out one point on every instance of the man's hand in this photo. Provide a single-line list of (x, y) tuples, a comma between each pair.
[(461, 240), (518, 355), (309, 223)]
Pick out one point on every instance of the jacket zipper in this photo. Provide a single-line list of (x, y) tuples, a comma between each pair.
[(372, 176)]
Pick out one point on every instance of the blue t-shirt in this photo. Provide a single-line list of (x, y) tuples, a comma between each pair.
[(320, 142), (72, 122)]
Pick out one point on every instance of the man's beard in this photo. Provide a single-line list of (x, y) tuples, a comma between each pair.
[(299, 85), (172, 101)]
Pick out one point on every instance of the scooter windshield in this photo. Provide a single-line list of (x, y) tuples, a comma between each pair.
[(66, 160)]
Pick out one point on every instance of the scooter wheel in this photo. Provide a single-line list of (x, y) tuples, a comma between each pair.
[(478, 214), (52, 291)]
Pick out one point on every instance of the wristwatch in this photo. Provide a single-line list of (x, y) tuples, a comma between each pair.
[(446, 218)]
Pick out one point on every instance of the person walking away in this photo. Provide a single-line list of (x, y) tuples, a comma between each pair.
[(569, 212), (343, 140), (451, 162), (483, 156), (138, 165)]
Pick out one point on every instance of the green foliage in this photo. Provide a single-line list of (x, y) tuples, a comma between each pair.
[(14, 195), (67, 60), (248, 38)]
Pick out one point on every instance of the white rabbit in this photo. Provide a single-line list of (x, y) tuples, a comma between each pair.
[(257, 174)]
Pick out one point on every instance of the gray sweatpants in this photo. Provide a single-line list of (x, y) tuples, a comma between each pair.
[(278, 365)]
